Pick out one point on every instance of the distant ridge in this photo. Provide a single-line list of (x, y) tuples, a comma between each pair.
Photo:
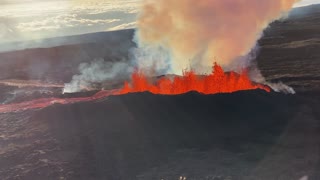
[(305, 10), (68, 40)]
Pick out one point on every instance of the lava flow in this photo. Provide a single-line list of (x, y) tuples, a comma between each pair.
[(45, 102), (216, 82)]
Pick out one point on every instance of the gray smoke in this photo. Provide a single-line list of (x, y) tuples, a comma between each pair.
[(97, 71), (249, 61), (256, 76)]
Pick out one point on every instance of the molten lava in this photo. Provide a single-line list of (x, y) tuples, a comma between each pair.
[(216, 82)]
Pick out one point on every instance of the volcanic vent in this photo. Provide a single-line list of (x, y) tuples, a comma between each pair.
[(216, 82)]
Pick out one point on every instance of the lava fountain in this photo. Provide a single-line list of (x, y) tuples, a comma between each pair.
[(216, 82)]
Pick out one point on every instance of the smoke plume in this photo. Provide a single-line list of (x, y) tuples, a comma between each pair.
[(194, 33), (175, 35)]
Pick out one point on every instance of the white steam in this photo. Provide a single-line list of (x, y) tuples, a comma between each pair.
[(97, 71)]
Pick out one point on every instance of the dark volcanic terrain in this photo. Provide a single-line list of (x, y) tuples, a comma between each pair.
[(249, 135)]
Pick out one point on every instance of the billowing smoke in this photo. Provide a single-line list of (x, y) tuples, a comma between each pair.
[(95, 72), (196, 33)]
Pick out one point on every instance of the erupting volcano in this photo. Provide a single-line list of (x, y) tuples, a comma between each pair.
[(206, 89), (216, 82)]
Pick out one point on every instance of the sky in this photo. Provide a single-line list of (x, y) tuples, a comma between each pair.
[(35, 19)]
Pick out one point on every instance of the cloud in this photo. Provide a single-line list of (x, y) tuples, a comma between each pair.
[(60, 22), (95, 6), (35, 19)]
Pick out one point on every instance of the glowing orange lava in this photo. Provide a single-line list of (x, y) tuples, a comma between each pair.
[(216, 82)]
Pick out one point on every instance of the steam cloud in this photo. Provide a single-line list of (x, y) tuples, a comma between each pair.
[(97, 71), (196, 32)]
